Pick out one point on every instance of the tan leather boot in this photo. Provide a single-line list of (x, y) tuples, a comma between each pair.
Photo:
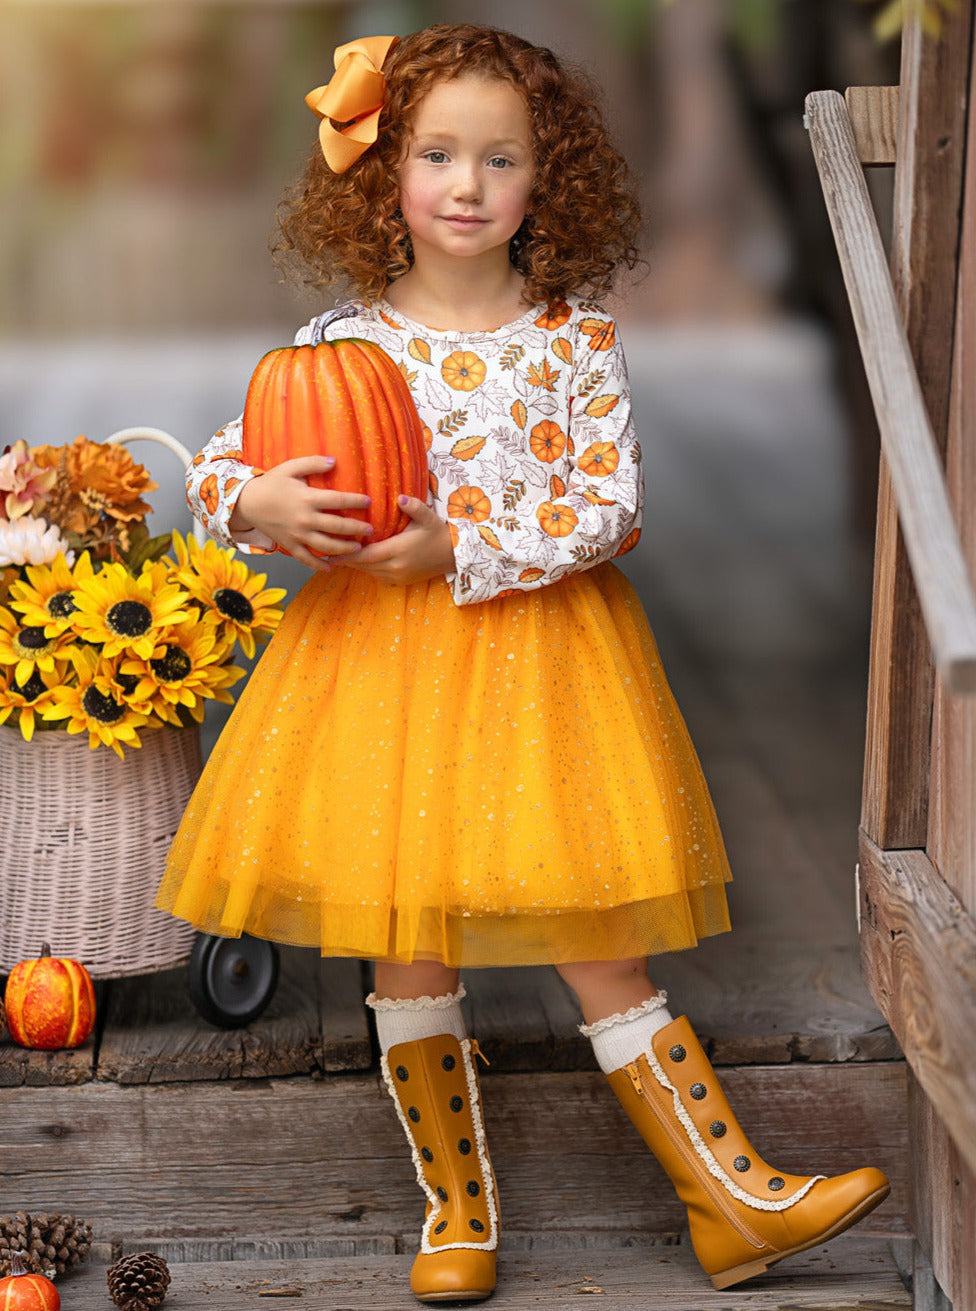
[(434, 1084), (743, 1214)]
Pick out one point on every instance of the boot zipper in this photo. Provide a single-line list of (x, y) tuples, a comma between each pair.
[(476, 1051), (686, 1150)]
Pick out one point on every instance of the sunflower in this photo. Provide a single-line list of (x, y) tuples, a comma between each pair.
[(93, 705), (238, 601), (26, 647), (122, 613), (45, 599), (27, 699), (184, 669)]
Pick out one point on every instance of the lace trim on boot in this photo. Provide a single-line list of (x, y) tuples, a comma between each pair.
[(708, 1159), (481, 1141)]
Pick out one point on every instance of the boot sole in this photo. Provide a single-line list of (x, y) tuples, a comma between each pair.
[(736, 1275)]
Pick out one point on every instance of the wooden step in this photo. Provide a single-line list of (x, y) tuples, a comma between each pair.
[(300, 1158), (792, 1002), (852, 1271)]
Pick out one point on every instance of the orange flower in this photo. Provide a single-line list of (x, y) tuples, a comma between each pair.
[(599, 459), (94, 479), (547, 441), (554, 316), (463, 371), (468, 503), (556, 520), (208, 492)]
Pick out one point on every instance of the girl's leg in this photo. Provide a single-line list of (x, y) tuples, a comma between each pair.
[(608, 987), (423, 978), (744, 1216), (428, 1065)]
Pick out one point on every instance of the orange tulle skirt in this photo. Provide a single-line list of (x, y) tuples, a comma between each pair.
[(496, 784)]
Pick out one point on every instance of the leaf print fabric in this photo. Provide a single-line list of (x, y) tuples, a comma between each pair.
[(533, 457)]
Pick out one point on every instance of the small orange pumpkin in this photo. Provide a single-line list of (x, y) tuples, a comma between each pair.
[(25, 1291), (468, 503), (556, 520), (50, 1003), (347, 399)]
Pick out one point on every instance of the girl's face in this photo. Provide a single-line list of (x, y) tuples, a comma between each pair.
[(468, 171)]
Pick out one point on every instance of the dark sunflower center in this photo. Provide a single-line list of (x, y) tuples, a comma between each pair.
[(32, 638), (127, 682), (234, 605), (172, 667), (61, 605), (129, 618), (30, 690), (101, 707)]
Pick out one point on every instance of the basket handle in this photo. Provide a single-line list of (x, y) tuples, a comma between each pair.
[(126, 435)]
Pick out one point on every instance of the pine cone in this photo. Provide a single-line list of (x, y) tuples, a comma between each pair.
[(51, 1243), (138, 1282)]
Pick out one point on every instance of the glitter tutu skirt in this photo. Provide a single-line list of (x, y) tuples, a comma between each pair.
[(495, 784)]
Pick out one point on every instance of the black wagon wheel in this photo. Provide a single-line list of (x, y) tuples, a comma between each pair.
[(231, 980)]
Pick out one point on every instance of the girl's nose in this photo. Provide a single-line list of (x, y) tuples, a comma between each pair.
[(467, 185)]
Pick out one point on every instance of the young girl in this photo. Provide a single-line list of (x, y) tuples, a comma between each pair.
[(460, 747)]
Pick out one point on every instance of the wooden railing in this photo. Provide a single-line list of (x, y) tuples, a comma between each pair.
[(931, 539)]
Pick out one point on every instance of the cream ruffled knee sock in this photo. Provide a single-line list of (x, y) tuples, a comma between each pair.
[(620, 1039), (408, 1019)]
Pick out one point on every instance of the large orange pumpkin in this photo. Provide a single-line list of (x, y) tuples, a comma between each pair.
[(347, 399), (50, 1003), (24, 1291)]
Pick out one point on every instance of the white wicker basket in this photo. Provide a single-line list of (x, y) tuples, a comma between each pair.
[(83, 842), (84, 837)]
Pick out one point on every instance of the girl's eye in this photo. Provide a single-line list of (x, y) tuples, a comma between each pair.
[(435, 156), (500, 162)]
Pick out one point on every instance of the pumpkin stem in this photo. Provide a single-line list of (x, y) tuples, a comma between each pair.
[(46, 949), (17, 1266)]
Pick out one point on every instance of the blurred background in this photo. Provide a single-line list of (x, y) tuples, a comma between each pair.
[(144, 148)]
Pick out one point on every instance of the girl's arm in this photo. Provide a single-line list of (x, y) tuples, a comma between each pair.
[(538, 534)]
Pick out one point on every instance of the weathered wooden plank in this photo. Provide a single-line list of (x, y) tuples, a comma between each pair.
[(943, 1203), (302, 1158), (874, 121), (931, 539), (316, 1019), (853, 1271), (952, 815), (919, 948), (18, 1066), (345, 1039), (526, 1019), (925, 236)]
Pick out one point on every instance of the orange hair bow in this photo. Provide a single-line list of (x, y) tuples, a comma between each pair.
[(353, 97)]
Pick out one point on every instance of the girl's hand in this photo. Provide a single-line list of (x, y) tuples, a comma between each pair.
[(423, 550), (300, 518)]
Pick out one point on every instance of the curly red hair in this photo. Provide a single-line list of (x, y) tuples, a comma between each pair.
[(582, 220)]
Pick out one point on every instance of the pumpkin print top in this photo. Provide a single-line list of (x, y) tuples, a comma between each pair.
[(531, 447)]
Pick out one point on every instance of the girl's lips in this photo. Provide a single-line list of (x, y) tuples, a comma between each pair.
[(464, 221)]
